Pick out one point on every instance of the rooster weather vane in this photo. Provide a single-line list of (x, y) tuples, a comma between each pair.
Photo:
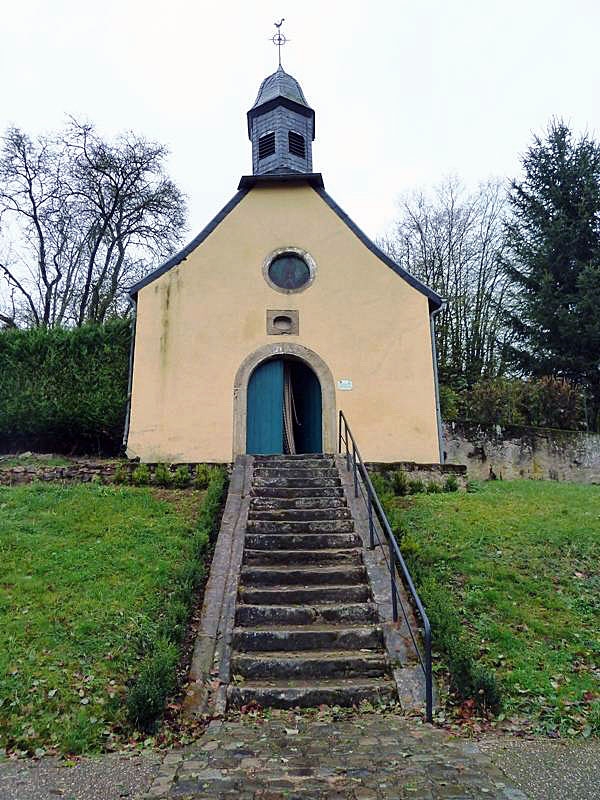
[(279, 38)]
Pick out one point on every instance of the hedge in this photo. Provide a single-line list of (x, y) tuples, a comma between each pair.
[(541, 403), (64, 390)]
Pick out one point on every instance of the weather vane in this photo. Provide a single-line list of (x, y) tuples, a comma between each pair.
[(278, 38)]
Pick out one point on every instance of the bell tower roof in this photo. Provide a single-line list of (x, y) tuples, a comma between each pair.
[(280, 84)]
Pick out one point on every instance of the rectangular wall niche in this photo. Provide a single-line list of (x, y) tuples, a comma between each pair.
[(281, 323)]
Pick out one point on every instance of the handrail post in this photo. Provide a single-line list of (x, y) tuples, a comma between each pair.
[(393, 581), (371, 529), (354, 468), (340, 433), (428, 678)]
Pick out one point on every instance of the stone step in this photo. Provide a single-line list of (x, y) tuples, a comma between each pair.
[(294, 483), (302, 576), (309, 694), (296, 463), (307, 637), (309, 664), (302, 526), (296, 503), (299, 514), (306, 630), (295, 472), (278, 457), (301, 492), (320, 557), (302, 541), (299, 595), (344, 613)]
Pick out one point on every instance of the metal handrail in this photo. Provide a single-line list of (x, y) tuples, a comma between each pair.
[(394, 559)]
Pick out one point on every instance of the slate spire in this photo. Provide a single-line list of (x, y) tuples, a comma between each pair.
[(281, 127)]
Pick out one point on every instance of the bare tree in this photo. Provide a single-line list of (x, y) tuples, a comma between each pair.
[(453, 240), (86, 218), (32, 194)]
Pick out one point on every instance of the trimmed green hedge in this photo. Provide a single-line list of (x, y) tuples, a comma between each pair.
[(64, 390)]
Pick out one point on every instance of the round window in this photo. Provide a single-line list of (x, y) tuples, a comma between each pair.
[(289, 271)]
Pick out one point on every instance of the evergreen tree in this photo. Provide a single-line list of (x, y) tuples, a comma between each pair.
[(554, 263)]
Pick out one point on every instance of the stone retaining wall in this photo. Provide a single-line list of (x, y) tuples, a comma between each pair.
[(428, 473), (504, 453), (519, 452), (81, 472), (104, 472)]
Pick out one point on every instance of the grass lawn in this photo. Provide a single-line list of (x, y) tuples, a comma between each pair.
[(85, 573), (521, 560)]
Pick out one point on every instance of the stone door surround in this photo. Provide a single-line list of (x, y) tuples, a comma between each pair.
[(240, 391)]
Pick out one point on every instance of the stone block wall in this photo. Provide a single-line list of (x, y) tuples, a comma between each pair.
[(428, 473), (84, 471), (520, 452), (80, 472)]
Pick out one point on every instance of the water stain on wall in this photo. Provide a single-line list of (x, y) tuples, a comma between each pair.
[(164, 320)]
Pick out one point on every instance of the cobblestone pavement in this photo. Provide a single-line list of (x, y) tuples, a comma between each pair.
[(365, 757)]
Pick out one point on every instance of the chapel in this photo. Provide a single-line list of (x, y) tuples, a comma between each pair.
[(277, 315)]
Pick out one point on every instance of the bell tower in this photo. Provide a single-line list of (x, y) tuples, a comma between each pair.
[(281, 127)]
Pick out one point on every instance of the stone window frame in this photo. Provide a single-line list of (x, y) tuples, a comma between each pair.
[(296, 251), (294, 316)]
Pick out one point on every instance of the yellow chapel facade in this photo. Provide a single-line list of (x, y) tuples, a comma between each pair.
[(277, 315)]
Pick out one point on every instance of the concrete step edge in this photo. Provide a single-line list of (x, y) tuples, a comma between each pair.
[(333, 628), (308, 550), (338, 692), (316, 571), (367, 604), (316, 655)]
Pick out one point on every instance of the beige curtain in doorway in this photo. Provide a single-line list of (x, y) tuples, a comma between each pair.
[(289, 411)]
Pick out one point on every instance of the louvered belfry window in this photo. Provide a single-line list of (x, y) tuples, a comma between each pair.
[(296, 143), (266, 145)]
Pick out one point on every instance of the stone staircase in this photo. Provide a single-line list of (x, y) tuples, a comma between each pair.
[(306, 630)]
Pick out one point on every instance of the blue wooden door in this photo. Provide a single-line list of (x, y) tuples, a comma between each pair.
[(264, 421), (309, 407)]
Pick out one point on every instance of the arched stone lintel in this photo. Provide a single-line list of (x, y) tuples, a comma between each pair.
[(240, 391)]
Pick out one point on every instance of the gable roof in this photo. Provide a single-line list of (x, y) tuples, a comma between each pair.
[(316, 181)]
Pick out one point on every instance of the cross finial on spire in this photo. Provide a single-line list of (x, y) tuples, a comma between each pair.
[(279, 37)]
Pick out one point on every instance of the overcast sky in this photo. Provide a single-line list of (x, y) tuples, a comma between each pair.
[(404, 92)]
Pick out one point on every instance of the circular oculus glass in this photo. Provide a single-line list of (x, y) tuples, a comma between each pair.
[(289, 271)]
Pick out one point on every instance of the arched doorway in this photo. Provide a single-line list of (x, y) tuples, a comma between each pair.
[(283, 350), (284, 408)]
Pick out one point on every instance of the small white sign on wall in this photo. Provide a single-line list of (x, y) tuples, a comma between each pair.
[(344, 385)]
